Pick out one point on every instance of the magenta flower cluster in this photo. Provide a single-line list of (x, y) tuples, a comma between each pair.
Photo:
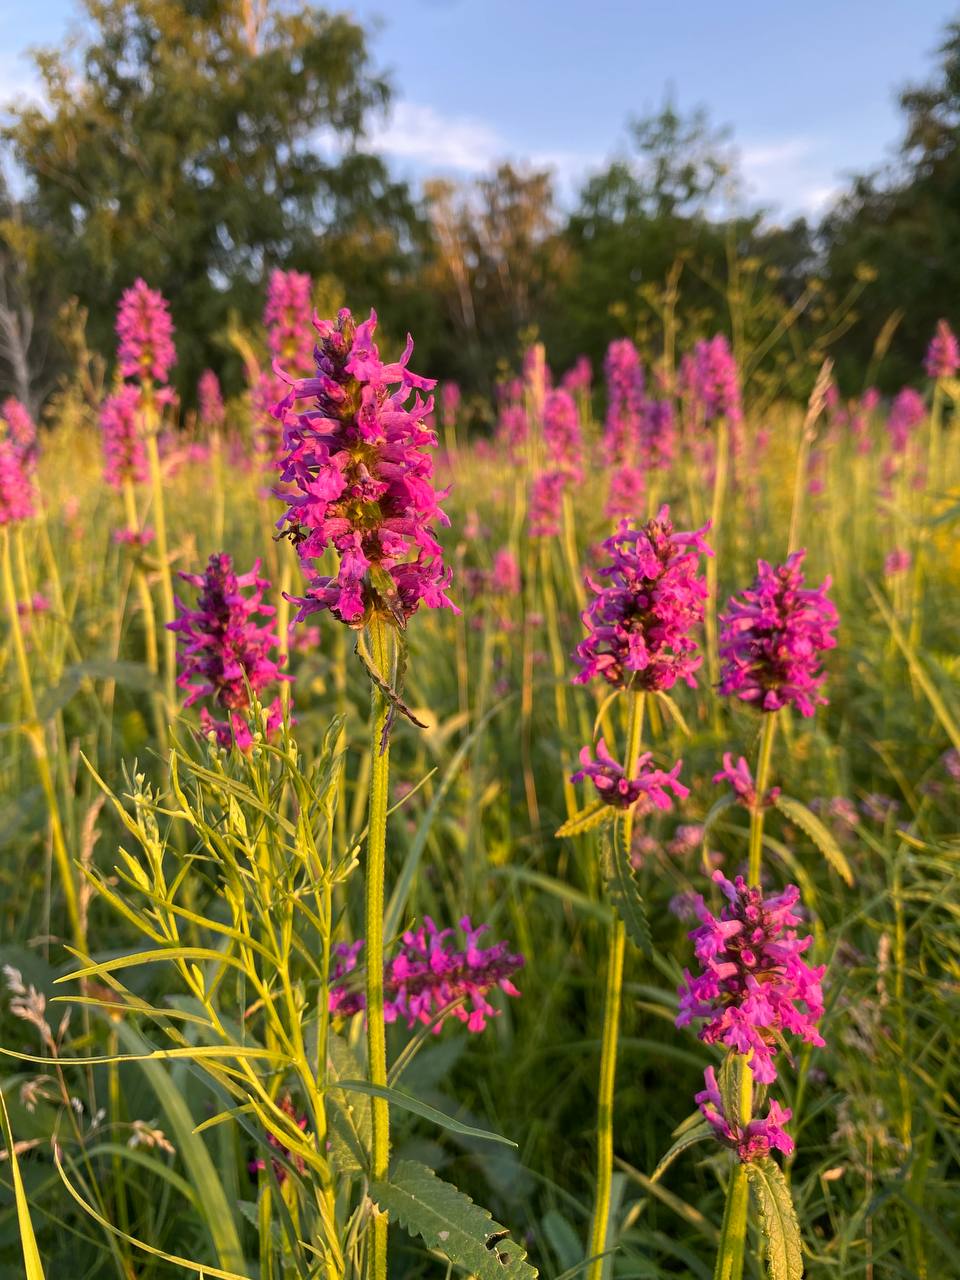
[(546, 503), (754, 986), (772, 637), (712, 379), (943, 354), (761, 1134), (430, 973), (625, 385), (124, 454), (562, 436), (906, 414), (17, 496), (225, 646), (21, 427), (145, 333), (361, 479), (286, 317), (648, 789), (647, 601), (210, 399), (625, 495)]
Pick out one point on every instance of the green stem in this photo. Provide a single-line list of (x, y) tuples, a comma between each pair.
[(36, 736), (380, 648), (716, 515), (163, 553), (600, 1226), (733, 1233), (760, 782)]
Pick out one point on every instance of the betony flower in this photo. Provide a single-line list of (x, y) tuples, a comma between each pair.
[(561, 434), (713, 380), (225, 647), (625, 495), (897, 561), (625, 383), (754, 985), (761, 1135), (505, 574), (546, 497), (361, 480), (658, 433), (17, 495), (578, 377), (742, 784), (647, 601), (428, 974), (124, 454), (649, 788), (145, 331), (906, 414), (286, 317), (21, 427), (943, 354), (210, 399), (449, 403), (771, 639)]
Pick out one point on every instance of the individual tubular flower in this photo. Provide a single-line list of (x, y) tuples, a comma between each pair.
[(145, 331), (429, 974), (755, 986), (21, 428), (943, 354), (647, 601), (546, 497), (225, 647), (741, 782), (210, 399), (649, 788), (361, 480), (17, 496), (761, 1135), (771, 639), (716, 385), (906, 414), (124, 454), (624, 374), (562, 435), (625, 495), (286, 318)]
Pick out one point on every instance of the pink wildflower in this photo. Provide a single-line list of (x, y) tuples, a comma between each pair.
[(124, 454), (561, 434), (546, 497), (624, 373), (906, 414), (943, 354), (362, 480), (17, 496), (625, 495), (771, 639), (761, 1135), (505, 575), (647, 601), (649, 788), (210, 399), (20, 426), (716, 386), (754, 986), (428, 974), (286, 318), (145, 331), (741, 782)]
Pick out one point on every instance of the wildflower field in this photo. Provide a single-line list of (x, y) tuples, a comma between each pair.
[(433, 851)]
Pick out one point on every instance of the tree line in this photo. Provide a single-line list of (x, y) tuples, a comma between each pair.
[(199, 143)]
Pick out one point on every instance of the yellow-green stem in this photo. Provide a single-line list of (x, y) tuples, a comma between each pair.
[(380, 647), (599, 1229), (163, 552), (760, 783), (36, 736), (716, 516)]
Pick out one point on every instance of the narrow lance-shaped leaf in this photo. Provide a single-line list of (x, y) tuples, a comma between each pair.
[(819, 833), (623, 890)]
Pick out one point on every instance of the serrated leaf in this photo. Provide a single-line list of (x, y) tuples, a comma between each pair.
[(689, 1137), (819, 833), (349, 1115), (408, 1103), (449, 1221), (624, 892), (778, 1220), (593, 816)]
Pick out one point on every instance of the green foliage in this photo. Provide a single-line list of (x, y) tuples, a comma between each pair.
[(622, 887), (449, 1221), (778, 1220)]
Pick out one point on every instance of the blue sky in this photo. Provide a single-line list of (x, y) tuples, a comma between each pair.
[(808, 87)]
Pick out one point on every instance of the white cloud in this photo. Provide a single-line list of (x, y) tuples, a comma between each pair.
[(793, 175), (421, 134)]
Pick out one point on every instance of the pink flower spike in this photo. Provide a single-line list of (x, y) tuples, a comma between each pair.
[(145, 333)]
